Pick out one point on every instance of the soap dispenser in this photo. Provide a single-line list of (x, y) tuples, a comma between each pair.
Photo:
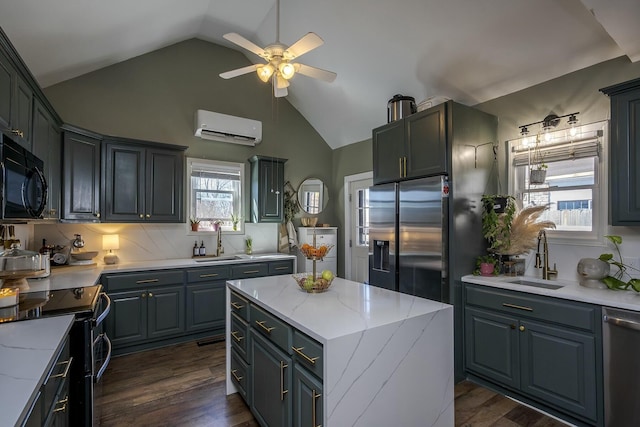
[(196, 249)]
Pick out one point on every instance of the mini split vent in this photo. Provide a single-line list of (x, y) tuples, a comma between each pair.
[(226, 128)]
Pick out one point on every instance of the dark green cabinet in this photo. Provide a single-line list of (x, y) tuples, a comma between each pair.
[(142, 182), (81, 175), (47, 145), (267, 189), (624, 153), (542, 349), (271, 382), (16, 103), (205, 306), (166, 311), (307, 398), (411, 147)]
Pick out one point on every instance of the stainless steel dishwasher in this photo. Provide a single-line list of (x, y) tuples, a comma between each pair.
[(621, 349)]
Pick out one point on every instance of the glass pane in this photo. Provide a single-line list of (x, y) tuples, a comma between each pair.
[(363, 217)]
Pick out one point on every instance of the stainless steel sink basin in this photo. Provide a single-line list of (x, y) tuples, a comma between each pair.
[(215, 259), (536, 283)]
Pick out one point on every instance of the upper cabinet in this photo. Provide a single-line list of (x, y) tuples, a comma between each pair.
[(142, 181), (16, 103), (624, 153), (47, 146), (411, 147), (267, 189), (81, 177)]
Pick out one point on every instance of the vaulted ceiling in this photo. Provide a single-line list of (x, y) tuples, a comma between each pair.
[(467, 50)]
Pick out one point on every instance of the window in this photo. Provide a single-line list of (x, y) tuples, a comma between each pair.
[(215, 193), (572, 188), (362, 215)]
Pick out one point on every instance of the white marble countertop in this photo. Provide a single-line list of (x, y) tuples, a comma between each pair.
[(345, 308), (570, 290), (65, 277), (27, 350)]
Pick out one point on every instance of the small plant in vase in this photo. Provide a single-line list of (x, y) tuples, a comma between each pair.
[(235, 219), (195, 223), (538, 168), (248, 245), (487, 265)]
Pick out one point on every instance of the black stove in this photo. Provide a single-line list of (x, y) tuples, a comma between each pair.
[(33, 305)]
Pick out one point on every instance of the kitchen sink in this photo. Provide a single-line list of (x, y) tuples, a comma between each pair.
[(216, 259), (536, 283)]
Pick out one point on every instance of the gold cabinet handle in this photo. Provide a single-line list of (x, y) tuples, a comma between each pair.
[(234, 334), (282, 390), (251, 271), (311, 360), (400, 166), (17, 132), (266, 328), (237, 378), (519, 307), (236, 305), (62, 402), (404, 163), (66, 369), (521, 328), (202, 276), (314, 396), (139, 282), (282, 268)]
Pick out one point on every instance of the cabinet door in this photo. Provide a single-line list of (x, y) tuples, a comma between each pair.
[(55, 171), (559, 366), (124, 190), (426, 142), (388, 152), (267, 187), (164, 186), (81, 177), (625, 157), (7, 82), (166, 311), (127, 321), (23, 113), (271, 385), (307, 399), (205, 306), (491, 346), (46, 140)]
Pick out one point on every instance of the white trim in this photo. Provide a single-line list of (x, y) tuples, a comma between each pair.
[(348, 179)]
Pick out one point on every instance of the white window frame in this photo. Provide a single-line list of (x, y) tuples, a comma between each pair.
[(215, 166), (600, 188)]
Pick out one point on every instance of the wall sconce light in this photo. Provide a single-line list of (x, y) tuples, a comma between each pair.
[(109, 243), (548, 124)]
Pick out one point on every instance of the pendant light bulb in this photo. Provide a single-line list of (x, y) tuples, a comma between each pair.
[(573, 131), (287, 70), (265, 72)]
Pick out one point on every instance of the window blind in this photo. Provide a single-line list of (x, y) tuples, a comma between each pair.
[(554, 152)]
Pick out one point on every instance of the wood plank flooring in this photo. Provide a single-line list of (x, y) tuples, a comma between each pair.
[(184, 385)]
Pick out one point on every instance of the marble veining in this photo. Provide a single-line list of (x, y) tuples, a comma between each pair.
[(388, 357), (27, 351), (570, 290)]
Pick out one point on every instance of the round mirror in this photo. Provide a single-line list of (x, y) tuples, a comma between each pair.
[(313, 195)]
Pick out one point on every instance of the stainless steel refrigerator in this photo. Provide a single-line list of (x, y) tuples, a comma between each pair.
[(409, 229)]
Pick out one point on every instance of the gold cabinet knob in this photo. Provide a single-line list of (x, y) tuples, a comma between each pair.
[(150, 294), (521, 328), (141, 216), (148, 215)]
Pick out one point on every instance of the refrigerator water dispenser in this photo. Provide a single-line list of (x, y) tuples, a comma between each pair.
[(381, 255)]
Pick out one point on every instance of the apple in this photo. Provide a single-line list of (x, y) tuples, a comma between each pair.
[(327, 275), (308, 284)]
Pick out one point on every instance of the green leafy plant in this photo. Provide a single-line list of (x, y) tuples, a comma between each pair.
[(496, 226), (487, 259), (194, 221), (537, 160), (291, 206), (616, 281)]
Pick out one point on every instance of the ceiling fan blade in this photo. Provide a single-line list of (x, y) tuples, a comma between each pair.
[(306, 43), (242, 42), (316, 73), (238, 72)]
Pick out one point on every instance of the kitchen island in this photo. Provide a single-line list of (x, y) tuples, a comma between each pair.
[(386, 358)]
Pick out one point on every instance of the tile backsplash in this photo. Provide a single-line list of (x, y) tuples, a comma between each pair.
[(144, 242)]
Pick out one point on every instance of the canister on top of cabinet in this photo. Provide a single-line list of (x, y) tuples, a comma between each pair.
[(400, 106)]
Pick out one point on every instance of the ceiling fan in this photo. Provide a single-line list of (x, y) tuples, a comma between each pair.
[(279, 67)]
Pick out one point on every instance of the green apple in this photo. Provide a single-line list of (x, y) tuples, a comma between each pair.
[(308, 284), (327, 275)]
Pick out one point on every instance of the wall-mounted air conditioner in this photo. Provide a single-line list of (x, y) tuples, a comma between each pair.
[(226, 128)]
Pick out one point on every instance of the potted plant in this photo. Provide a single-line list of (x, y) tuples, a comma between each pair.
[(538, 168), (195, 223), (248, 245), (487, 265), (616, 281), (235, 219), (497, 217)]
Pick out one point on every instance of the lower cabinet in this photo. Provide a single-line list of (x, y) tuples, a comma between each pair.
[(543, 350), (277, 369)]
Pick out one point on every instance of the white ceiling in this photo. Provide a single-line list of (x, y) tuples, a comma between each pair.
[(467, 50)]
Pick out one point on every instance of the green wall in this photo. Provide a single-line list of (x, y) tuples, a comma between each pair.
[(155, 97)]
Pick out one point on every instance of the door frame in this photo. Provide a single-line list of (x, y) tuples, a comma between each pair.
[(348, 179)]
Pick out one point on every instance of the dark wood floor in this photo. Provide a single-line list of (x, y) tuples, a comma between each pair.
[(184, 385)]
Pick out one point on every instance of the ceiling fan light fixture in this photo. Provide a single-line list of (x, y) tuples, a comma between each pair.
[(287, 70), (265, 72)]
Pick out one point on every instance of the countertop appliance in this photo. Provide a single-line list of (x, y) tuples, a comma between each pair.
[(89, 344), (24, 186), (400, 106), (621, 346), (408, 237)]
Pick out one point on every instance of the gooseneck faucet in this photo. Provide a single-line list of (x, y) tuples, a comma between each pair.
[(546, 271)]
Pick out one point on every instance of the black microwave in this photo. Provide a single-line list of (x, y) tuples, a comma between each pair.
[(24, 187)]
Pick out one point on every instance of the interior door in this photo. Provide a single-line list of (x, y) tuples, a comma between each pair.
[(359, 230)]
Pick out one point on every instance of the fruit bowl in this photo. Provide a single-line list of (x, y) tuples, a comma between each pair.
[(315, 253), (313, 287)]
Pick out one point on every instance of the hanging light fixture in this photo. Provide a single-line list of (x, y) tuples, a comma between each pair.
[(548, 124), (572, 123)]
